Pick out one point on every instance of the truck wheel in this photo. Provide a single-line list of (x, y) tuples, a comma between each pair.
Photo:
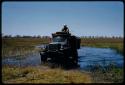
[(75, 57), (43, 57)]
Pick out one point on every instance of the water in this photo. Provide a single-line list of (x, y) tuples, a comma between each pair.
[(32, 59), (87, 56)]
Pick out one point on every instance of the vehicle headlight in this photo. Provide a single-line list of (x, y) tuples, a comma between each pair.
[(43, 47), (62, 47)]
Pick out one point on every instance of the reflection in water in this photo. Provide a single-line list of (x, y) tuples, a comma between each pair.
[(87, 56)]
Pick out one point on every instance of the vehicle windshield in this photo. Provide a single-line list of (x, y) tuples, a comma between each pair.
[(59, 39)]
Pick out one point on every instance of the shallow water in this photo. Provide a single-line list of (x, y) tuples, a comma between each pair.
[(87, 56), (99, 56)]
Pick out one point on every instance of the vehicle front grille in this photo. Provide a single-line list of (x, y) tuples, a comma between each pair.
[(54, 46)]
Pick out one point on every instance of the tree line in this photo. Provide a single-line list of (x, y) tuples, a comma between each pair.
[(24, 36), (39, 36), (101, 37)]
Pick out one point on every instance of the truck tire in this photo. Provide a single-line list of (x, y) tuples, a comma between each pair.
[(43, 57)]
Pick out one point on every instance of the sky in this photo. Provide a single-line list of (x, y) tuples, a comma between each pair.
[(44, 18)]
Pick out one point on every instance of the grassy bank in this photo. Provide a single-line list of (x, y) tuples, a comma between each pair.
[(114, 75), (43, 75), (109, 74), (116, 44)]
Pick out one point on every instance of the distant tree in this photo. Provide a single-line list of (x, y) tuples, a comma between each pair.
[(38, 36), (26, 36), (17, 36), (105, 37), (120, 37), (34, 36), (113, 37), (90, 37), (7, 36)]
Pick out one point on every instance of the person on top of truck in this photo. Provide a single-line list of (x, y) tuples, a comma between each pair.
[(65, 29)]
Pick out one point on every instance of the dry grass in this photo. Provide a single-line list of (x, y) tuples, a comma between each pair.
[(43, 75)]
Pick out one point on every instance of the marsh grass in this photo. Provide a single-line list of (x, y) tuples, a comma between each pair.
[(23, 46), (16, 51), (43, 75), (108, 74), (20, 46)]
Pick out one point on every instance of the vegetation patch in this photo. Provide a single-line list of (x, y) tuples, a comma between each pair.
[(43, 74), (20, 46), (108, 74)]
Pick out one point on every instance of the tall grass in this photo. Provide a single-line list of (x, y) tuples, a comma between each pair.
[(43, 75), (20, 46), (108, 74)]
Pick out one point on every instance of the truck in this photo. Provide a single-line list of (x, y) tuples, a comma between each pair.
[(62, 49)]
